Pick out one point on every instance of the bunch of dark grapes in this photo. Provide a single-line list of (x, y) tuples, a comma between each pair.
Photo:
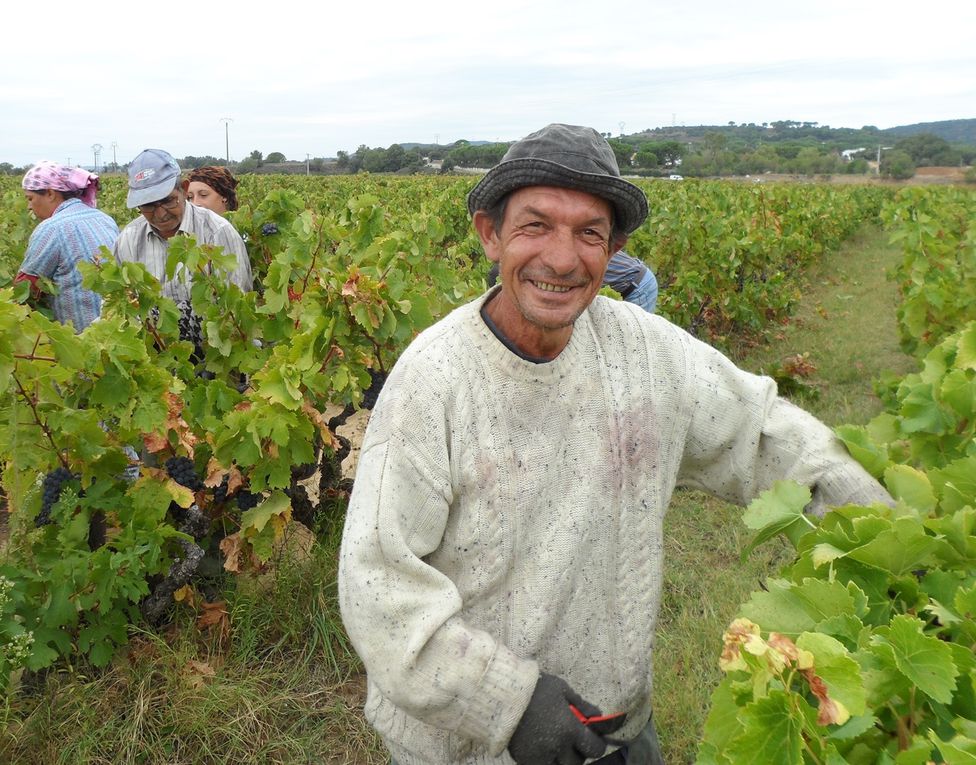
[(191, 329), (220, 492), (247, 500), (269, 228), (181, 470), (302, 509), (373, 391), (53, 482)]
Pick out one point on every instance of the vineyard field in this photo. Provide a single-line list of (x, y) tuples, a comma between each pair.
[(180, 468)]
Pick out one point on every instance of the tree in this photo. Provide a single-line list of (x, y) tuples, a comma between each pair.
[(645, 158), (275, 156), (897, 165), (622, 150), (929, 150)]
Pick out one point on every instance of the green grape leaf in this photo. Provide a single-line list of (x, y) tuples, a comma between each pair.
[(779, 609), (775, 511), (839, 671), (925, 661), (911, 486), (771, 733), (873, 457), (722, 724), (966, 350), (956, 482), (825, 599), (959, 392), (921, 413), (965, 601), (853, 728), (959, 751), (902, 548), (919, 752)]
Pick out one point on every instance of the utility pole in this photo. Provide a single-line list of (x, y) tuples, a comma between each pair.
[(307, 157), (621, 123), (226, 121), (115, 164), (96, 150)]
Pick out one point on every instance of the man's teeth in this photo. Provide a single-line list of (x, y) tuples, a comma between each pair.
[(551, 287)]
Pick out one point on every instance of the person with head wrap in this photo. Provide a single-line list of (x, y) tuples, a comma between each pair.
[(71, 230), (212, 187)]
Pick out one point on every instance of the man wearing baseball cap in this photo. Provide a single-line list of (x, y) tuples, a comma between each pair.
[(501, 565), (156, 191)]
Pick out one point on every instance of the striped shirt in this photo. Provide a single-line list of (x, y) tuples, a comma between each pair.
[(624, 272), (138, 243), (73, 233)]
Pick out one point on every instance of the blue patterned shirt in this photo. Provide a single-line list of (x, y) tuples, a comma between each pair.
[(624, 272), (72, 234)]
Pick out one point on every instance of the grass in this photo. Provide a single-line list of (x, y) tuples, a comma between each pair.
[(283, 686), (845, 332)]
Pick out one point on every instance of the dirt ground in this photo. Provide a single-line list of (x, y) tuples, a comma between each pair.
[(923, 176), (939, 175)]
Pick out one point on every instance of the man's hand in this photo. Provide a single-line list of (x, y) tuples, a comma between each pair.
[(549, 732)]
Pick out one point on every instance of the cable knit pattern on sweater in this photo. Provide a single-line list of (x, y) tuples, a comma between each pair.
[(507, 516)]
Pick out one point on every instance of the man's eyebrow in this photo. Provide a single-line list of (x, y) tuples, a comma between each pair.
[(537, 213)]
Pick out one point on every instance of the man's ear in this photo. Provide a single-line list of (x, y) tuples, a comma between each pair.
[(485, 227), (616, 245)]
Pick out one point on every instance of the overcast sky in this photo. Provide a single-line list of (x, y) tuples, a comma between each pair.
[(318, 78)]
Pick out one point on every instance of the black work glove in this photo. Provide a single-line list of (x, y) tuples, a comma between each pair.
[(549, 732)]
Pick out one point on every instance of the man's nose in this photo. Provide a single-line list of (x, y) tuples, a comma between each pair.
[(561, 253)]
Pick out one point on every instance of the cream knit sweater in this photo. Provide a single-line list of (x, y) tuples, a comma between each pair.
[(507, 516)]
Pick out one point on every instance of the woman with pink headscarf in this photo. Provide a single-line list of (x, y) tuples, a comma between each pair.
[(71, 230)]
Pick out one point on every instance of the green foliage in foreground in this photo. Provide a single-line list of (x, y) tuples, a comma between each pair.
[(862, 651), (340, 295)]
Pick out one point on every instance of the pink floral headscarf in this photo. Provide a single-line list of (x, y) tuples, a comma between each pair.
[(50, 175)]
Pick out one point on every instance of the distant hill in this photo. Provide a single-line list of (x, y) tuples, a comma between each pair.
[(953, 131)]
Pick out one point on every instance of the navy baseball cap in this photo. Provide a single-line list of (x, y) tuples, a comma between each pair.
[(153, 174)]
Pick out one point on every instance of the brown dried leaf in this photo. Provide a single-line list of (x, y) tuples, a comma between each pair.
[(216, 473), (830, 712), (197, 672), (154, 442), (216, 618), (799, 365), (349, 288), (230, 546), (184, 593), (318, 418)]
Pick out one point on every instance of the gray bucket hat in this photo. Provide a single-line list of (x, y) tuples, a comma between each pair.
[(153, 174), (567, 156)]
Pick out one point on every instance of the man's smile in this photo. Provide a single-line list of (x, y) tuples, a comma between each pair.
[(549, 287)]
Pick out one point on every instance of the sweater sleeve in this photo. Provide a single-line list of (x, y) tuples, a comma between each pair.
[(402, 614), (743, 437)]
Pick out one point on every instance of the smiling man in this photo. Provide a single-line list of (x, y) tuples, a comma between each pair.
[(501, 565), (155, 189)]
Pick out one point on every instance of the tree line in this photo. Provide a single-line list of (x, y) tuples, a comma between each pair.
[(784, 147)]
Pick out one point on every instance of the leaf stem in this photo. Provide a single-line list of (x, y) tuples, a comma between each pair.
[(40, 423)]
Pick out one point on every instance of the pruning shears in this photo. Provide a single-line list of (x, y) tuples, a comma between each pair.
[(596, 723)]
